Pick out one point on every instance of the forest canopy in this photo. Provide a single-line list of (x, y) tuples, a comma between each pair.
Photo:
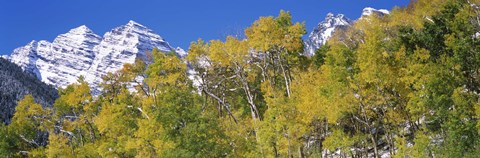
[(405, 84)]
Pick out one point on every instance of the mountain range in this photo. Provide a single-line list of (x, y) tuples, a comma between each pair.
[(81, 52)]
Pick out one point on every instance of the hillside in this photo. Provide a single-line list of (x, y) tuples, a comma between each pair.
[(15, 84)]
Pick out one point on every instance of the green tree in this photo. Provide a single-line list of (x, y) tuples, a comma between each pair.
[(28, 128)]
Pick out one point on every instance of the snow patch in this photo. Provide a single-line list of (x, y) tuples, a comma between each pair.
[(180, 52), (5, 57)]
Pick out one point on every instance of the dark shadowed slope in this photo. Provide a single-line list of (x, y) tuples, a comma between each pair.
[(15, 84)]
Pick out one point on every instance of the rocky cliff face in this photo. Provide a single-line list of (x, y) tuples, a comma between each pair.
[(81, 52)]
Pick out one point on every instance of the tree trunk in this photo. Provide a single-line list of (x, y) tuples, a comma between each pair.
[(374, 143), (222, 103), (300, 152), (285, 77)]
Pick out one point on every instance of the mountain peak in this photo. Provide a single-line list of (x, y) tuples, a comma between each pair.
[(369, 11), (80, 30), (78, 36), (82, 52), (340, 16), (31, 43), (135, 29), (329, 15), (324, 31), (132, 23)]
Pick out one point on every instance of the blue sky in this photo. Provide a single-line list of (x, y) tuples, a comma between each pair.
[(178, 21)]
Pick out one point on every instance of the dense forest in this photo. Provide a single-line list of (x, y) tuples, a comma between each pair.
[(401, 85), (15, 83)]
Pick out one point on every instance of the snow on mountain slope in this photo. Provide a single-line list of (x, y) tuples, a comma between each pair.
[(123, 45), (324, 31), (180, 52), (5, 57), (369, 11), (61, 62), (81, 52)]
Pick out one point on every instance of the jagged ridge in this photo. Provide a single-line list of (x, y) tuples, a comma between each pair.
[(81, 52)]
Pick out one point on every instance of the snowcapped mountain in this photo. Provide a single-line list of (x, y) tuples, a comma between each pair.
[(325, 29), (81, 52), (369, 11)]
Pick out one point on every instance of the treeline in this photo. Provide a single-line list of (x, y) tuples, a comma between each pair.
[(402, 85)]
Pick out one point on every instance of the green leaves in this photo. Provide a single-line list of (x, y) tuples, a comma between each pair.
[(405, 83)]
